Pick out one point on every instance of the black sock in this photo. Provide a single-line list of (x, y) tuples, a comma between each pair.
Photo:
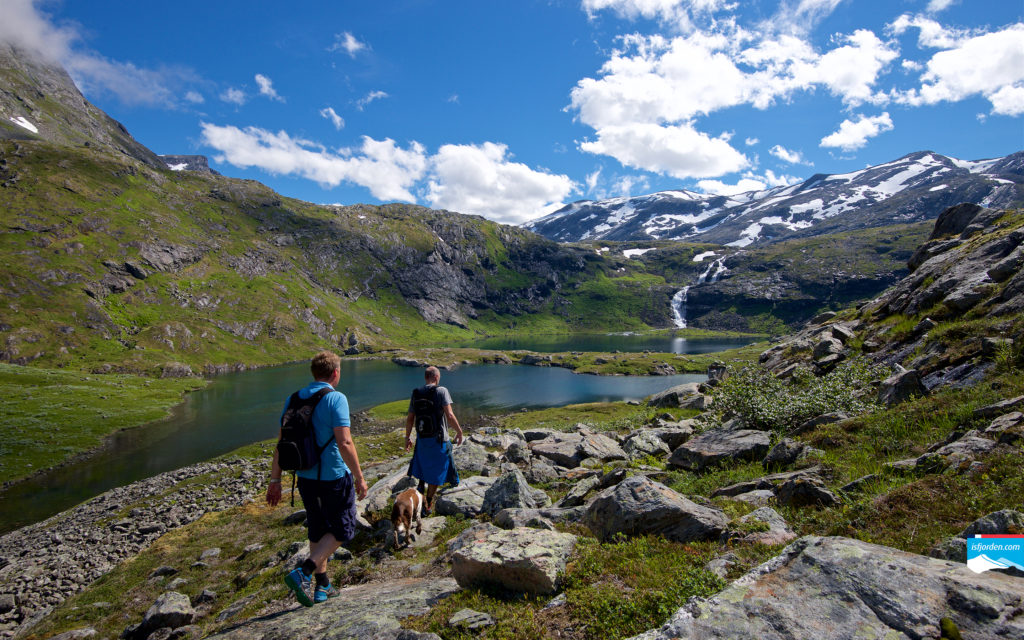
[(421, 487), (308, 567), (321, 579)]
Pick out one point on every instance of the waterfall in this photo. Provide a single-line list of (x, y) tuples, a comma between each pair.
[(714, 271), (679, 307)]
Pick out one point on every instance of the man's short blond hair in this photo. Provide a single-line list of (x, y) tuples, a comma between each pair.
[(431, 373), (324, 364)]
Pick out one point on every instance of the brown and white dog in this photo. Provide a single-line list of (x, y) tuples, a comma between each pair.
[(408, 507)]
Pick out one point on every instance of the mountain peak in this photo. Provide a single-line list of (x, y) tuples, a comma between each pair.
[(912, 188), (39, 100)]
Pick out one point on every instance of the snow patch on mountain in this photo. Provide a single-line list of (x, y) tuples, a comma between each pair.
[(25, 124)]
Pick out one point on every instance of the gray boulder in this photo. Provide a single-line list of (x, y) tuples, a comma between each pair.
[(470, 620), (467, 498), (1008, 428), (380, 493), (577, 495), (570, 449), (999, 408), (805, 491), (641, 506), (513, 518), (719, 445), (674, 396), (364, 611), (540, 470), (900, 387), (512, 491), (518, 452), (674, 436), (644, 443), (470, 456), (832, 588), (785, 452), (758, 497), (958, 454), (171, 609), (778, 531), (769, 482), (519, 560)]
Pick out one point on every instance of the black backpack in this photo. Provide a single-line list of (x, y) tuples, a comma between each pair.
[(297, 449), (429, 417)]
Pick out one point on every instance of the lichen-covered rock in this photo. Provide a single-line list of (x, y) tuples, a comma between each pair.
[(579, 491), (363, 611), (470, 620), (519, 560), (467, 498), (512, 518), (644, 443), (470, 456), (640, 506), (674, 396), (778, 531), (570, 449), (719, 445), (832, 588), (957, 454), (511, 490), (171, 609)]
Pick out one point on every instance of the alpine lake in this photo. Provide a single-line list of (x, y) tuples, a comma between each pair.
[(238, 409)]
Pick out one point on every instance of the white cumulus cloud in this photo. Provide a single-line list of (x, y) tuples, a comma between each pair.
[(387, 170), (348, 43), (784, 154), (719, 188), (646, 99), (854, 134), (330, 114), (194, 97), (990, 65), (679, 151), (25, 26), (363, 102), (267, 87), (480, 179), (234, 96)]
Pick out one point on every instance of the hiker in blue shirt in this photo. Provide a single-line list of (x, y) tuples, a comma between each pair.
[(432, 462), (329, 489)]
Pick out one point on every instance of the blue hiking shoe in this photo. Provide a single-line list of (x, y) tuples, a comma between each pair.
[(322, 594), (298, 582)]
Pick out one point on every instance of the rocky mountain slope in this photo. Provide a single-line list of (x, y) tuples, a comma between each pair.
[(39, 101), (913, 188), (718, 510)]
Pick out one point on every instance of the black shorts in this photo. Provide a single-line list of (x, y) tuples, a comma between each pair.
[(330, 507)]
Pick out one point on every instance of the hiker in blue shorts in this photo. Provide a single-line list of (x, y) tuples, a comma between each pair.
[(329, 489), (430, 412)]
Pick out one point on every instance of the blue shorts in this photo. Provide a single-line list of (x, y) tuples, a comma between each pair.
[(330, 507)]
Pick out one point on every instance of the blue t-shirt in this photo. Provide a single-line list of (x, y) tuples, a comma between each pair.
[(332, 411)]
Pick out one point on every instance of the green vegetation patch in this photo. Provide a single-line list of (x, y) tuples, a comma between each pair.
[(52, 415)]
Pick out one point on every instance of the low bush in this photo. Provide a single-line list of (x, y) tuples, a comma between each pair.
[(763, 401)]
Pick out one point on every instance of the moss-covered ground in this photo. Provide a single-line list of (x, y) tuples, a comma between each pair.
[(52, 415)]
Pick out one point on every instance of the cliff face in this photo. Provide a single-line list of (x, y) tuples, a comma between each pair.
[(39, 101)]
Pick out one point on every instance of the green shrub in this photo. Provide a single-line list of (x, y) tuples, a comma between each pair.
[(765, 402)]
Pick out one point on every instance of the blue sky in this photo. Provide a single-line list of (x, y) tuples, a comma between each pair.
[(508, 109)]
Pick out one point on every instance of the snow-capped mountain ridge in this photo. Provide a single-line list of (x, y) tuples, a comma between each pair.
[(915, 187)]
